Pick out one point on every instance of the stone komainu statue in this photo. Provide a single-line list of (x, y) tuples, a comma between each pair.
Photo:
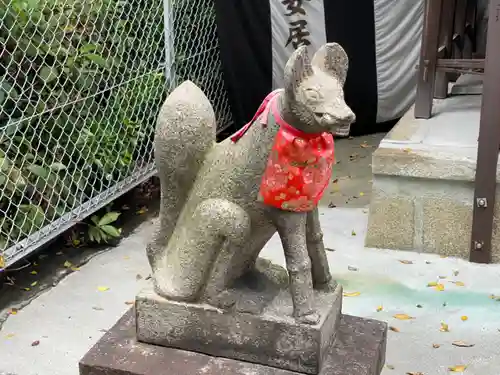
[(212, 225)]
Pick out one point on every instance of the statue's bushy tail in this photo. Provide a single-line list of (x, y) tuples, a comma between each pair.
[(185, 132)]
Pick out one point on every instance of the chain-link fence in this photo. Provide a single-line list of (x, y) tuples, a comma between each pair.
[(81, 82)]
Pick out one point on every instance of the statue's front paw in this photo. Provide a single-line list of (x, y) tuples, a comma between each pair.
[(326, 287), (311, 318)]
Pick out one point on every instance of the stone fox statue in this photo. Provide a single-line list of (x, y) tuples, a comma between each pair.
[(212, 225)]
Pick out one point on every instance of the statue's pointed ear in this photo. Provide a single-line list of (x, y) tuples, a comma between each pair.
[(332, 59), (297, 69)]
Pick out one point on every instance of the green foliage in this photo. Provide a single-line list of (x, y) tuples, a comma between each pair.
[(80, 86), (100, 230), (81, 83)]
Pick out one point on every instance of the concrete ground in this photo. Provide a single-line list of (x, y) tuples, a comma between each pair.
[(48, 335), (352, 174)]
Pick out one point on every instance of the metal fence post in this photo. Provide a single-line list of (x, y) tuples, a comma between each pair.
[(488, 145), (168, 15)]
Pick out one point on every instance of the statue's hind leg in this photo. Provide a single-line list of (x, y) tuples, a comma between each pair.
[(235, 260), (216, 225)]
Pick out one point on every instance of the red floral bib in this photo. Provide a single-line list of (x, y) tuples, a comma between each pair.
[(299, 167)]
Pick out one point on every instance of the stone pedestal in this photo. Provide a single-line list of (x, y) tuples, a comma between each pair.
[(358, 350), (257, 336), (260, 329)]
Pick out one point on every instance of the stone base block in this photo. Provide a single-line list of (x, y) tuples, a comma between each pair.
[(259, 329), (358, 350)]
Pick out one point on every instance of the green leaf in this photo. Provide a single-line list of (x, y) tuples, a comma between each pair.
[(33, 218), (38, 171), (8, 89), (3, 244), (12, 126), (95, 235), (79, 181), (104, 236), (88, 48), (111, 230), (17, 180), (95, 220), (37, 215), (31, 4), (49, 73), (58, 167), (3, 179), (4, 164), (109, 218), (60, 211), (97, 59)]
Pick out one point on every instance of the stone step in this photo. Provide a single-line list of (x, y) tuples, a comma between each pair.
[(358, 350), (423, 182)]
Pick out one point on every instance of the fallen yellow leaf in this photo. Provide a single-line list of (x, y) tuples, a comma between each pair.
[(415, 373), (27, 289), (439, 287), (462, 344), (361, 194), (353, 233), (407, 150), (458, 283), (394, 329), (435, 346), (75, 268), (34, 272), (380, 308), (406, 261), (432, 284), (129, 302), (403, 317), (34, 283), (459, 368), (13, 312), (102, 288), (68, 264), (464, 318), (443, 277), (351, 294), (444, 327), (10, 335)]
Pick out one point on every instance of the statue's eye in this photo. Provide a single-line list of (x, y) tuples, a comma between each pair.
[(312, 94)]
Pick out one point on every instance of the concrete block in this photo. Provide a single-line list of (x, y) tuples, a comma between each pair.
[(446, 226)]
